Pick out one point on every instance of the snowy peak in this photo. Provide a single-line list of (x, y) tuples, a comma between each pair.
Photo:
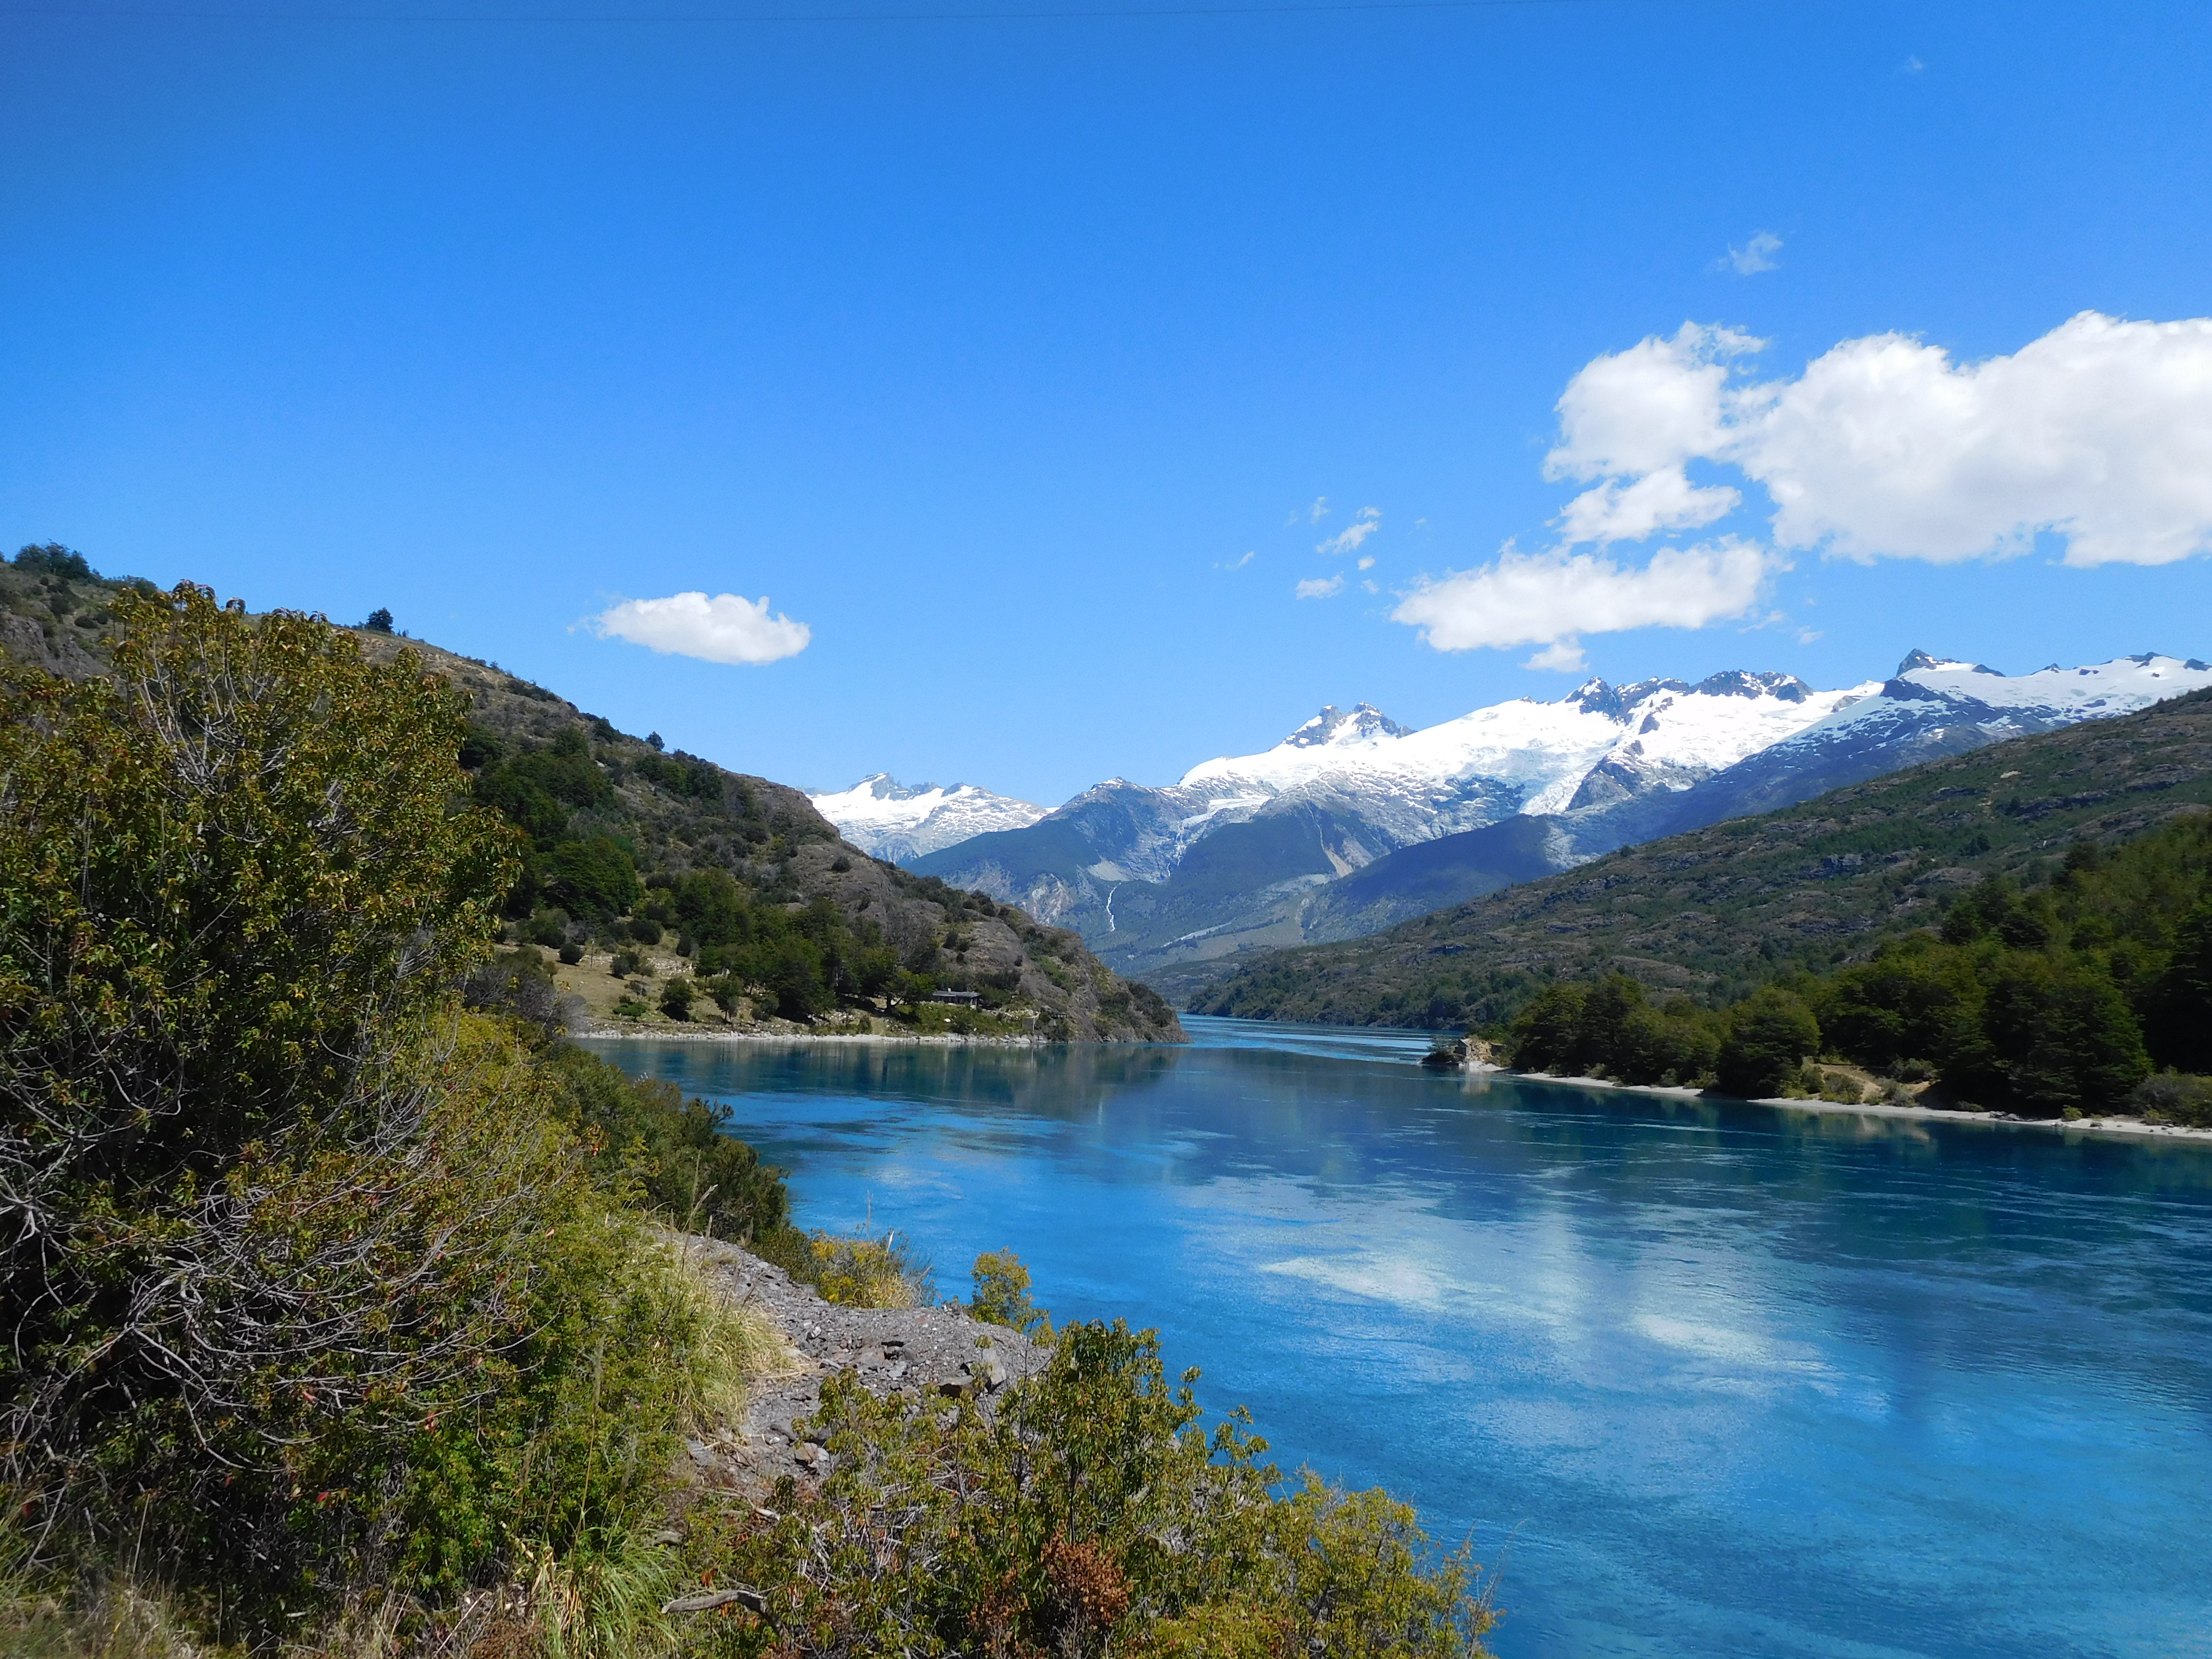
[(888, 819), (883, 786), (1939, 705), (1917, 659), (1336, 726), (2054, 695)]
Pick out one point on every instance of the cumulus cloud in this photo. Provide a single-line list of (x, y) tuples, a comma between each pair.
[(2100, 433), (1347, 540), (1755, 255), (1321, 587), (1634, 511), (1237, 564), (1367, 563), (725, 628), (1536, 598), (1560, 657), (1656, 405)]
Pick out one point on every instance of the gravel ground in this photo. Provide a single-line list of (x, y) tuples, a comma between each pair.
[(934, 1351)]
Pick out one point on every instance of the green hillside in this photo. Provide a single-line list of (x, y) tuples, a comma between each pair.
[(757, 909), (1715, 912)]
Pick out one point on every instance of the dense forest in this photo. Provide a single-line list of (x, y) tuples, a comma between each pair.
[(339, 1319), (2085, 992)]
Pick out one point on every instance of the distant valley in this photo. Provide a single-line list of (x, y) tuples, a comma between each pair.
[(1354, 824)]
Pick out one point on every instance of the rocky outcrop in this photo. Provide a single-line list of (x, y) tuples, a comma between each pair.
[(940, 1353)]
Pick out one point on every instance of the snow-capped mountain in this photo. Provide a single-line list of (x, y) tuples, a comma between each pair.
[(1931, 707), (1411, 785), (1352, 816), (890, 820)]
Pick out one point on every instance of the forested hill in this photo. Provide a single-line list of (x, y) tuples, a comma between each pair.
[(627, 842), (1718, 911)]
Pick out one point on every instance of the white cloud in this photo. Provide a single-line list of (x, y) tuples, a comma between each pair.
[(1536, 598), (1347, 540), (1561, 656), (1367, 563), (1911, 65), (1755, 255), (1664, 500), (1318, 511), (1656, 405), (2099, 432), (1237, 564), (725, 628), (1321, 587)]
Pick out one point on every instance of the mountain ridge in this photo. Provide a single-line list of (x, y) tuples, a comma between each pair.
[(1715, 911), (1321, 826), (617, 826)]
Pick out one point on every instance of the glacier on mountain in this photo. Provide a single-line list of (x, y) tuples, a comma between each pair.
[(899, 822)]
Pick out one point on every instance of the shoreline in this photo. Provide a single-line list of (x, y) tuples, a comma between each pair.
[(2115, 1127), (890, 1039)]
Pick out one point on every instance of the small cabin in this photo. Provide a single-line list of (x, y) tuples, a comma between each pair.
[(969, 998)]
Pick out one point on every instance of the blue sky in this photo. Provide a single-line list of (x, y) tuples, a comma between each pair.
[(989, 350)]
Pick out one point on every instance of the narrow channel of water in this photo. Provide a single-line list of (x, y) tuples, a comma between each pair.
[(1701, 1379)]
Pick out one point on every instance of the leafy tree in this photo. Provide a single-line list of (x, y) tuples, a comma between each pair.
[(1547, 1036), (304, 1280), (1769, 1034), (1910, 1003), (379, 621), (2061, 1036), (54, 560), (2180, 999), (1610, 1027), (593, 878)]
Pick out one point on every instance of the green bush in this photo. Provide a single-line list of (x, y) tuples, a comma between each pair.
[(313, 1292), (1092, 1513), (1002, 1293), (855, 1269), (644, 1139), (2174, 1098)]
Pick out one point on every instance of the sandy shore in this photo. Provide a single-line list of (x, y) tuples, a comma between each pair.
[(2131, 1128)]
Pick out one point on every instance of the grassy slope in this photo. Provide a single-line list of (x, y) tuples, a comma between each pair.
[(767, 836), (1715, 911)]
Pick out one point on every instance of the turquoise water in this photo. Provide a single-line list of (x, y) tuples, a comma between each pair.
[(1699, 1380)]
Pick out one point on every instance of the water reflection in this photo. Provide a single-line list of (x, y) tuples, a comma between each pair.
[(1716, 1378)]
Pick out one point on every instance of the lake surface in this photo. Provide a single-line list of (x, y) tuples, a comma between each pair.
[(1698, 1379)]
